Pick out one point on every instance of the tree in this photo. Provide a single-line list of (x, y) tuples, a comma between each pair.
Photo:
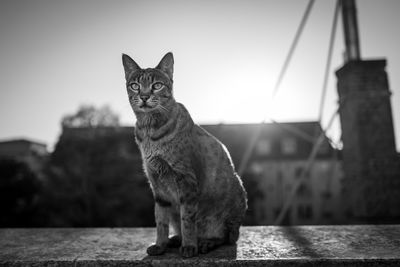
[(96, 179), (19, 193), (90, 116)]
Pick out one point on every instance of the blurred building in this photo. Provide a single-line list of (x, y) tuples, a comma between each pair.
[(371, 163), (277, 163), (31, 152)]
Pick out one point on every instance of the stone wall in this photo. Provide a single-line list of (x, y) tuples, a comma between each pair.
[(351, 245)]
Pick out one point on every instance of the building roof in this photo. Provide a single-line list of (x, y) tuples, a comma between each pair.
[(22, 148), (22, 141), (236, 138)]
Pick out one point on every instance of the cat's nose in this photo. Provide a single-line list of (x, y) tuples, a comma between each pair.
[(144, 97)]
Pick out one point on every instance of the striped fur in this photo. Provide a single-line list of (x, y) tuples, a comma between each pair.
[(195, 186)]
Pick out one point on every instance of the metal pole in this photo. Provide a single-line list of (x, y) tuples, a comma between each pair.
[(349, 15)]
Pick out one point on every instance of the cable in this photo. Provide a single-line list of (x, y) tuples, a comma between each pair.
[(257, 133), (293, 46), (310, 161), (329, 59), (322, 135)]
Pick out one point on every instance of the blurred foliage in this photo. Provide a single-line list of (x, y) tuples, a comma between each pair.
[(90, 116), (96, 179), (19, 194)]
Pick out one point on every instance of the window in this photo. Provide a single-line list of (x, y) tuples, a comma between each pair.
[(256, 168), (289, 146), (304, 191), (264, 147), (270, 188), (298, 173), (326, 195)]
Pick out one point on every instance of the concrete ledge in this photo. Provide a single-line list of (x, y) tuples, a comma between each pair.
[(373, 245)]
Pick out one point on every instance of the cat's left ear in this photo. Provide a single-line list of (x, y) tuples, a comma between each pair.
[(167, 65), (129, 65)]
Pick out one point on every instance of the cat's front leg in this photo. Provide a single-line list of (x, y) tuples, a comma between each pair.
[(162, 221), (188, 209)]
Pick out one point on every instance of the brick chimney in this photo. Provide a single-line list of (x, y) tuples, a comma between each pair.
[(371, 165)]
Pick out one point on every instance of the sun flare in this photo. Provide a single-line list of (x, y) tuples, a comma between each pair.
[(250, 101)]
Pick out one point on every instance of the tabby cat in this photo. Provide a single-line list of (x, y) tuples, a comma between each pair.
[(195, 187)]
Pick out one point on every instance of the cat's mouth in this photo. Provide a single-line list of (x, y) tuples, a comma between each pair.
[(145, 106)]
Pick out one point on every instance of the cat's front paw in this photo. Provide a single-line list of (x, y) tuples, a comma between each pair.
[(154, 250), (188, 251)]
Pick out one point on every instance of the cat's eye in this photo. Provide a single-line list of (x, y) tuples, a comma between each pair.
[(157, 86), (134, 87)]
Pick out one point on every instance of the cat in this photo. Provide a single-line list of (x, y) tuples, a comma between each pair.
[(191, 174)]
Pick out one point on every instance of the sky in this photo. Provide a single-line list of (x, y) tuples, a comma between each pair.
[(57, 55)]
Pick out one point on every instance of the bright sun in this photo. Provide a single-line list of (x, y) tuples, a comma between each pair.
[(238, 97), (250, 101)]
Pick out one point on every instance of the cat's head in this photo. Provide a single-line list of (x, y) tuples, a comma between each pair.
[(149, 89)]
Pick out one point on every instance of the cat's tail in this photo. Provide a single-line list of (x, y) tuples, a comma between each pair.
[(237, 216)]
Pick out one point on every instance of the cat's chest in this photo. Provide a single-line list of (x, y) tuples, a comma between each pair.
[(161, 175), (169, 147), (150, 148)]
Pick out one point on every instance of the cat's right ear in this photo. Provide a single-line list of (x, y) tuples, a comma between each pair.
[(167, 64), (129, 65)]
